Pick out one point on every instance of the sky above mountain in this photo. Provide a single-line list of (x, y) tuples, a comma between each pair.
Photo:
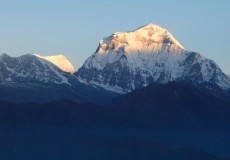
[(74, 28)]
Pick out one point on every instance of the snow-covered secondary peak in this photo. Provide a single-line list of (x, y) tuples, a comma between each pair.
[(30, 69), (125, 61), (59, 60)]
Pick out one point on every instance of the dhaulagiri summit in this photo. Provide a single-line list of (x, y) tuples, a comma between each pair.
[(126, 61)]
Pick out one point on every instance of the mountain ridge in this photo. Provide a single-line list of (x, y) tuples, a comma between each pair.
[(177, 113), (28, 78)]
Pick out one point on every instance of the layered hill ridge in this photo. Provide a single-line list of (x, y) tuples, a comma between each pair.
[(59, 60), (130, 60)]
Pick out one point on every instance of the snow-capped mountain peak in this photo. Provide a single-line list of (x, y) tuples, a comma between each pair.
[(149, 36), (60, 61), (158, 34), (135, 45), (130, 60)]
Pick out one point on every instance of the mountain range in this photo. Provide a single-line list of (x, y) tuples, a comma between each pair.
[(141, 95), (122, 63)]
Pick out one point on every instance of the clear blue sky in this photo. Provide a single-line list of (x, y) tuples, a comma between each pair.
[(74, 28)]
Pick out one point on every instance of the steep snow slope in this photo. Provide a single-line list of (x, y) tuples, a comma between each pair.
[(130, 60), (59, 60)]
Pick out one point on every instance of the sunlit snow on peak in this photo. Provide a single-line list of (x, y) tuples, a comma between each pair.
[(59, 60)]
